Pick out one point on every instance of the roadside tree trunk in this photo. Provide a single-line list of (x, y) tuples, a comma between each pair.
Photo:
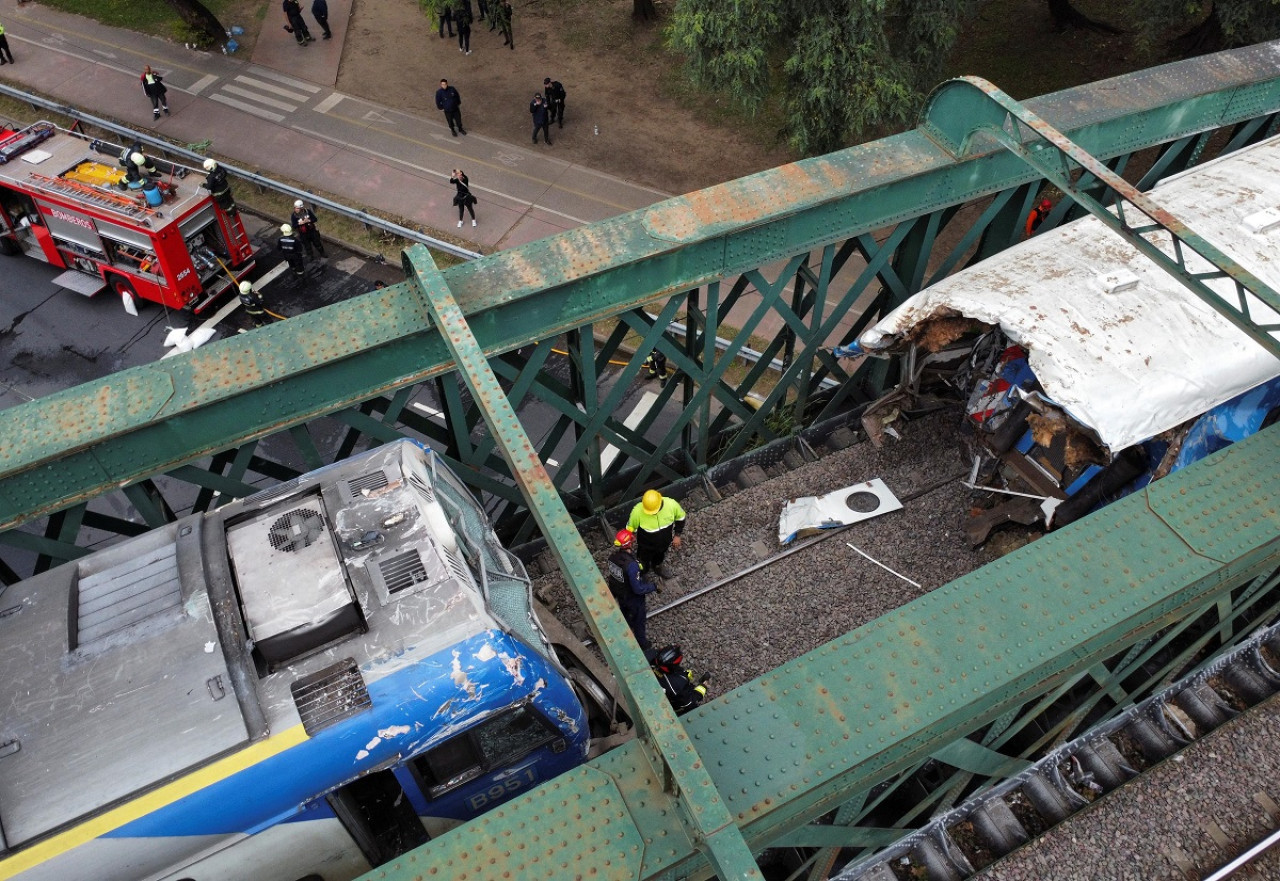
[(1202, 39), (643, 10), (205, 25), (1065, 15)]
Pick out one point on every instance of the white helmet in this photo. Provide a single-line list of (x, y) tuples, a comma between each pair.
[(210, 165), (246, 287), (286, 229), (137, 159), (297, 204)]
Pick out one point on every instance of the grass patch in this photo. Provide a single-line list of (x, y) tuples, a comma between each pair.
[(158, 18)]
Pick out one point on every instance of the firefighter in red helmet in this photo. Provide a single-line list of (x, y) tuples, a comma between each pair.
[(1037, 216), (627, 585)]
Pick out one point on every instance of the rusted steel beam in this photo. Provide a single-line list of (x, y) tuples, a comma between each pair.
[(670, 750), (961, 111)]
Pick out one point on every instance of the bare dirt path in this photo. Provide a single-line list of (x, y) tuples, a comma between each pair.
[(652, 130)]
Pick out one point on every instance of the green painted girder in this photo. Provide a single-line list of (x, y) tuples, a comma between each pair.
[(816, 732), (963, 111), (77, 444), (689, 792)]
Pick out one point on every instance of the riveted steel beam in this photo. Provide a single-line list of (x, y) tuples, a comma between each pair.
[(691, 790), (75, 445), (962, 111)]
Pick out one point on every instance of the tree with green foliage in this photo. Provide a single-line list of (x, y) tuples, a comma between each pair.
[(1204, 26), (840, 68)]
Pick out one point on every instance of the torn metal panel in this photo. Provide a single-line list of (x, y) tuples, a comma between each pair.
[(1126, 361), (809, 515)]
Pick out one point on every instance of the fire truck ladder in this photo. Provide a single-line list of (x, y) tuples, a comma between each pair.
[(102, 198)]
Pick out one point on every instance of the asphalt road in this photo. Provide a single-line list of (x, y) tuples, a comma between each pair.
[(52, 338)]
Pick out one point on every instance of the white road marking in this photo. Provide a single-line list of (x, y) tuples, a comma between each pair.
[(647, 400), (261, 99), (201, 84), (430, 411), (247, 108), (288, 81), (329, 103), (275, 90)]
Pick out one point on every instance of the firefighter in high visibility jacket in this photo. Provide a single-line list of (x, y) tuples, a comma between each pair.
[(627, 585), (684, 692), (657, 523)]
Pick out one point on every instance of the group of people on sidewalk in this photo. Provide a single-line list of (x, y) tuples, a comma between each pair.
[(297, 25)]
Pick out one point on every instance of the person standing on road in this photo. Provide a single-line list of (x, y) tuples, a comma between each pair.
[(253, 305), (541, 118), (446, 18), (448, 100), (304, 224), (628, 585), (297, 25), (6, 51), (463, 198), (504, 15), (320, 10), (462, 18), (291, 248), (657, 523), (153, 88), (554, 94)]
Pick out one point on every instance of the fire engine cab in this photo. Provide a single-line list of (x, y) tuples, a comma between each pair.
[(149, 231)]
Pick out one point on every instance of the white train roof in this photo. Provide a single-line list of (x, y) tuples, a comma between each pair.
[(117, 679), (1132, 362)]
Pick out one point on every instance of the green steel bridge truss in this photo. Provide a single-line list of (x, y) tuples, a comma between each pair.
[(880, 728)]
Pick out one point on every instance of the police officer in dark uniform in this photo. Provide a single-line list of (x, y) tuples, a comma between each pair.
[(308, 232), (291, 248), (627, 585), (555, 95)]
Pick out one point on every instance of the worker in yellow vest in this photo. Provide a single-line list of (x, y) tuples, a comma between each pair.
[(657, 523), (4, 48)]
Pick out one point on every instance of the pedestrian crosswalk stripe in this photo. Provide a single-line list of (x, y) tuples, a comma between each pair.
[(247, 108), (275, 90), (261, 99), (288, 81)]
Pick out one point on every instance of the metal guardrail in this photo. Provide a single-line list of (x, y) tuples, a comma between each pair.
[(171, 149)]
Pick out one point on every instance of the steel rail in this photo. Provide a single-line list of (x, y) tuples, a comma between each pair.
[(1245, 858), (332, 207)]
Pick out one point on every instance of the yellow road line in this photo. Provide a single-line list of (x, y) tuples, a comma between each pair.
[(151, 801)]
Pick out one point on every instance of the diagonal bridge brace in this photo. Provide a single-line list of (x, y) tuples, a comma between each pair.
[(669, 748), (961, 109)]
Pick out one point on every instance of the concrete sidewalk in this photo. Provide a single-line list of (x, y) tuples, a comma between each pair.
[(278, 112)]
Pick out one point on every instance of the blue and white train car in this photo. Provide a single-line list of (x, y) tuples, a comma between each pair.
[(299, 685)]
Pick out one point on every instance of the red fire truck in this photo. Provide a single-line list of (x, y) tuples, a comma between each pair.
[(151, 232)]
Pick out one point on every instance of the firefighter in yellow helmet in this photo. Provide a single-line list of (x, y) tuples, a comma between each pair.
[(657, 523)]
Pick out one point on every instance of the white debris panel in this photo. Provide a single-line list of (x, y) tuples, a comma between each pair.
[(809, 515), (1114, 340)]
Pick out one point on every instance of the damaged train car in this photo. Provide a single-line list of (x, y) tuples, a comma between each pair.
[(301, 684), (1086, 371)]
